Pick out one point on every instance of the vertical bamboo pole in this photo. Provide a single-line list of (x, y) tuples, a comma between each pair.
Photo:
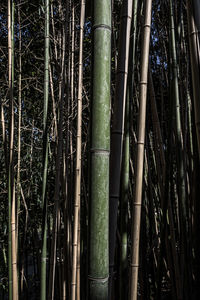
[(12, 263), (117, 133), (13, 206), (125, 162), (136, 217), (45, 156), (10, 151), (193, 15), (100, 146), (124, 208), (19, 127), (180, 151), (76, 236)]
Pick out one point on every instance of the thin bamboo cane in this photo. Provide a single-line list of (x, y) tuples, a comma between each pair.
[(125, 162), (19, 130), (12, 263), (180, 151), (193, 14), (124, 209), (4, 137), (136, 217), (10, 152), (117, 133), (43, 283), (76, 236)]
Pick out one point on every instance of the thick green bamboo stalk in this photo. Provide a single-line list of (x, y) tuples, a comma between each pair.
[(136, 216), (43, 284), (100, 150)]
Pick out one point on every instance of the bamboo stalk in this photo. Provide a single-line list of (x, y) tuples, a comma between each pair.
[(117, 133), (100, 146), (136, 217), (76, 235), (180, 150), (19, 131), (193, 14), (10, 152), (45, 156)]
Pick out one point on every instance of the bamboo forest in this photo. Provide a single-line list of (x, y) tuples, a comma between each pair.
[(100, 150)]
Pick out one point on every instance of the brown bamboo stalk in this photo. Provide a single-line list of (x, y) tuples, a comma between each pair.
[(19, 126), (11, 186), (4, 134), (136, 217), (76, 235)]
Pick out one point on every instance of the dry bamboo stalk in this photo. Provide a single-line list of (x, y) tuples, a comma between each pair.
[(4, 134), (76, 235), (13, 280), (14, 249), (19, 127), (136, 217)]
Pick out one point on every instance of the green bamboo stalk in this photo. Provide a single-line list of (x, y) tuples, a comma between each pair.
[(100, 150), (136, 217), (43, 283)]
